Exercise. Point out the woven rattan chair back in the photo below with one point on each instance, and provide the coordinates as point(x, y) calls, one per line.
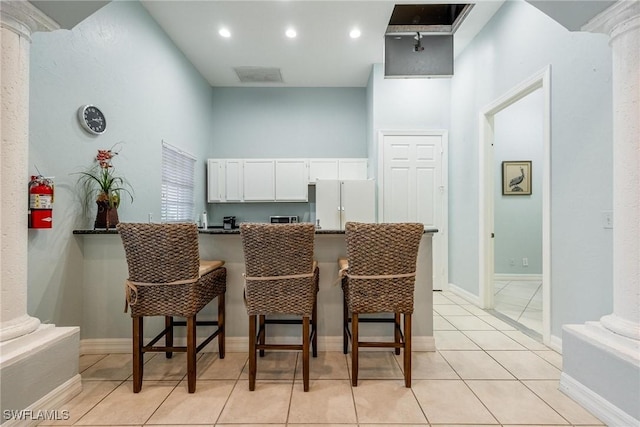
point(279, 250)
point(160, 253)
point(382, 250)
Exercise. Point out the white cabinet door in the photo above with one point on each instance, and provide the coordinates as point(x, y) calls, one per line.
point(352, 169)
point(291, 180)
point(328, 207)
point(358, 199)
point(323, 169)
point(215, 180)
point(259, 180)
point(233, 180)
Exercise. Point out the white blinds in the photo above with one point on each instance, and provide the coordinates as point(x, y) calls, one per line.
point(178, 175)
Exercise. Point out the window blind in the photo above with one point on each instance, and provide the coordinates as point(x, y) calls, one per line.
point(178, 182)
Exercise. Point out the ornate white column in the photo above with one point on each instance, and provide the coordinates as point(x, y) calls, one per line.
point(601, 360)
point(19, 20)
point(622, 23)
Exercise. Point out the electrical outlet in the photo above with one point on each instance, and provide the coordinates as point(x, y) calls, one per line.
point(525, 262)
point(607, 219)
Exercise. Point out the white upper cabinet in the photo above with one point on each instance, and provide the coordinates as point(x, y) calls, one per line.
point(233, 188)
point(323, 169)
point(259, 180)
point(352, 168)
point(291, 180)
point(215, 180)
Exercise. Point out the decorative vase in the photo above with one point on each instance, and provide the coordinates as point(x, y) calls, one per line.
point(106, 217)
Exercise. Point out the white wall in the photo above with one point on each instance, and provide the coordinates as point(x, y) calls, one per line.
point(517, 43)
point(120, 60)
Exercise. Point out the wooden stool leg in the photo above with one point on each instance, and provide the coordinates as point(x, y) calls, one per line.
point(354, 349)
point(396, 331)
point(345, 324)
point(168, 338)
point(407, 350)
point(252, 352)
point(221, 326)
point(263, 332)
point(138, 356)
point(191, 353)
point(314, 327)
point(305, 352)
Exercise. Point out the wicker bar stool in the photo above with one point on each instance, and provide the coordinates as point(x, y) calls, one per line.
point(167, 278)
point(378, 276)
point(281, 278)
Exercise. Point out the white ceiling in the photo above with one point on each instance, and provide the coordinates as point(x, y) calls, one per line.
point(321, 55)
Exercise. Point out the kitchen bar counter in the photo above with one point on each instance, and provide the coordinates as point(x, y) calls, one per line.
point(100, 292)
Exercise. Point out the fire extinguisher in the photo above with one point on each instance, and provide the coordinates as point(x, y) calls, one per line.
point(40, 202)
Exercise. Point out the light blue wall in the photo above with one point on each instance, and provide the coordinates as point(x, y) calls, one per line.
point(518, 132)
point(120, 60)
point(517, 43)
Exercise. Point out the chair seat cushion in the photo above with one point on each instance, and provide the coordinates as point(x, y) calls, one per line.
point(209, 266)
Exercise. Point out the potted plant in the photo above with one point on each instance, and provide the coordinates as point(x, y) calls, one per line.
point(102, 184)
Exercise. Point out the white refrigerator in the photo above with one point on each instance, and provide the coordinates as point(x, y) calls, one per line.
point(339, 201)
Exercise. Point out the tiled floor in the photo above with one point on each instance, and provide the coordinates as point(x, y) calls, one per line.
point(485, 372)
point(520, 301)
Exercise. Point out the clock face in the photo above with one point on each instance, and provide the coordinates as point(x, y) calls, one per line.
point(92, 119)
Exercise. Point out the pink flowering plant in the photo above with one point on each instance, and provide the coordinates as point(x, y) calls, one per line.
point(100, 183)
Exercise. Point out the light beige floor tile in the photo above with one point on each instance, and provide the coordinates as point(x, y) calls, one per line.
point(202, 407)
point(439, 299)
point(428, 365)
point(563, 404)
point(469, 323)
point(450, 401)
point(376, 365)
point(475, 365)
point(440, 324)
point(92, 393)
point(87, 360)
point(453, 340)
point(251, 425)
point(525, 340)
point(493, 340)
point(123, 406)
point(268, 404)
point(211, 367)
point(526, 365)
point(457, 299)
point(497, 323)
point(275, 365)
point(450, 310)
point(467, 425)
point(552, 357)
point(474, 310)
point(327, 366)
point(113, 367)
point(393, 425)
point(512, 403)
point(179, 425)
point(327, 401)
point(386, 402)
point(161, 368)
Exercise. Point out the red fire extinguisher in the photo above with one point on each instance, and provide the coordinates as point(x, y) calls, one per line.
point(40, 202)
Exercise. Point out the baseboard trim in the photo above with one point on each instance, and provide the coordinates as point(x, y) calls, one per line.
point(607, 412)
point(49, 407)
point(555, 343)
point(241, 344)
point(473, 299)
point(518, 277)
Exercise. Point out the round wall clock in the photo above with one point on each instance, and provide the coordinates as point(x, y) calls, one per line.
point(92, 119)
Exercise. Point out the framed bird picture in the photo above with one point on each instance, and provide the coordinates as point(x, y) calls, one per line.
point(516, 178)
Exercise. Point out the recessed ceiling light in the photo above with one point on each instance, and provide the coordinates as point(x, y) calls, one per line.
point(291, 33)
point(355, 33)
point(224, 33)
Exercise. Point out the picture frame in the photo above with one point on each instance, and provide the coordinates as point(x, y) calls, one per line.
point(516, 178)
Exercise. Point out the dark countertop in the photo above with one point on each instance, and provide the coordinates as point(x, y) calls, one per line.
point(220, 230)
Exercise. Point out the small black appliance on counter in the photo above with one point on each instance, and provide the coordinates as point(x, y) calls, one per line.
point(229, 222)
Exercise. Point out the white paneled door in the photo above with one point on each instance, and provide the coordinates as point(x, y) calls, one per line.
point(413, 185)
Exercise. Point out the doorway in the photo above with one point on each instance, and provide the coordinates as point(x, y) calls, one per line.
point(412, 186)
point(488, 173)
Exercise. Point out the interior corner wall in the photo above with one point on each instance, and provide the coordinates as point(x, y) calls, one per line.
point(120, 60)
point(518, 42)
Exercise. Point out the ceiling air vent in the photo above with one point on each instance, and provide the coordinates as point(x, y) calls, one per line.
point(258, 74)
